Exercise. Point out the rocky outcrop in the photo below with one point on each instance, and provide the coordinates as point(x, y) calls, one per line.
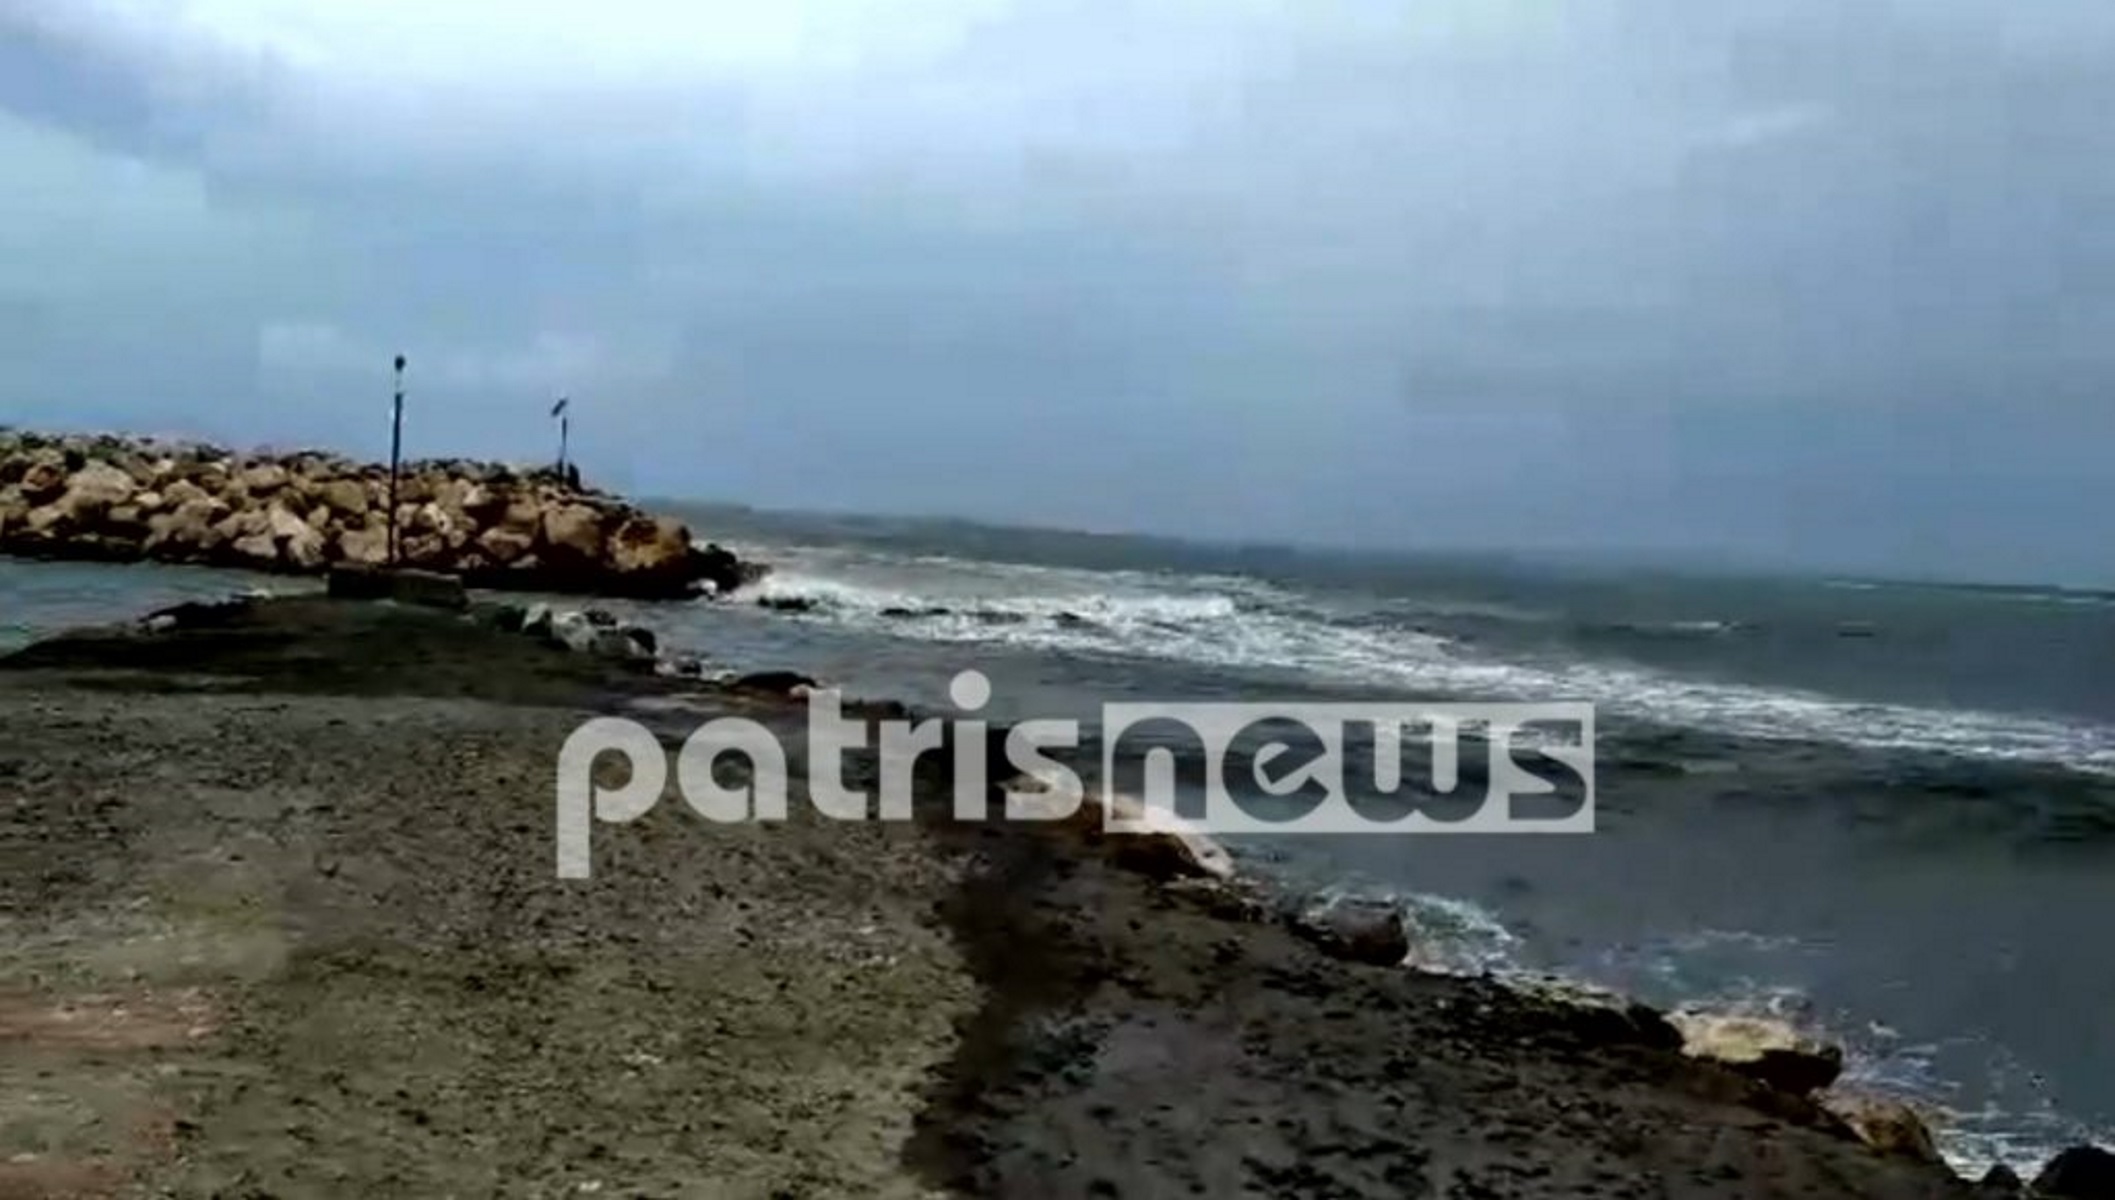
point(2080, 1173)
point(123, 499)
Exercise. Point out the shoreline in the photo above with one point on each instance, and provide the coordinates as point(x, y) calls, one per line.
point(1099, 1007)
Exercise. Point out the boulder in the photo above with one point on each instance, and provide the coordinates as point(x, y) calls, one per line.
point(181, 492)
point(262, 479)
point(44, 480)
point(651, 555)
point(187, 531)
point(2080, 1173)
point(2000, 1182)
point(93, 491)
point(572, 536)
point(1770, 1052)
point(366, 546)
point(1370, 932)
point(1889, 1126)
point(505, 545)
point(346, 497)
point(258, 551)
point(428, 589)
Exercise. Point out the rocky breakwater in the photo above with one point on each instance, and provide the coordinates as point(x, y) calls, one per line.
point(124, 499)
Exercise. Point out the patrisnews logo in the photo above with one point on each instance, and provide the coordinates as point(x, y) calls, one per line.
point(1309, 756)
point(1266, 768)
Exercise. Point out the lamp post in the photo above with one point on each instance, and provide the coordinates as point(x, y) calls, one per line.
point(396, 454)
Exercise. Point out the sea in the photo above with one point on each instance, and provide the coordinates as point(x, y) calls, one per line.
point(1881, 810)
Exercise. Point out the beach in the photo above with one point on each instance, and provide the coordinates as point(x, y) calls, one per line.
point(283, 922)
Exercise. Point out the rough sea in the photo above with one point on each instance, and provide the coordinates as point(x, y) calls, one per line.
point(1882, 810)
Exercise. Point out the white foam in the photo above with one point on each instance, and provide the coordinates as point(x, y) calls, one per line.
point(1249, 625)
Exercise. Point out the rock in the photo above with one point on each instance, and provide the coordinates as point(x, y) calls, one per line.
point(43, 481)
point(259, 551)
point(508, 618)
point(682, 666)
point(572, 536)
point(600, 618)
point(182, 492)
point(644, 637)
point(188, 531)
point(786, 604)
point(2080, 1173)
point(721, 570)
point(776, 683)
point(1369, 932)
point(367, 546)
point(651, 555)
point(2001, 1181)
point(262, 479)
point(427, 589)
point(346, 497)
point(1597, 1014)
point(505, 545)
point(537, 621)
point(117, 498)
point(1889, 1126)
point(1770, 1052)
point(93, 491)
point(578, 633)
point(306, 549)
point(284, 522)
point(195, 614)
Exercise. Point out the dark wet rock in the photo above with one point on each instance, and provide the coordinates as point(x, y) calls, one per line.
point(427, 589)
point(2001, 1183)
point(776, 683)
point(1357, 931)
point(197, 614)
point(600, 618)
point(508, 618)
point(2080, 1173)
point(644, 637)
point(787, 604)
point(899, 612)
point(537, 621)
point(722, 571)
point(682, 666)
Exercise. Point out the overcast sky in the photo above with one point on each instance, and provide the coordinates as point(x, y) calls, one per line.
point(1814, 281)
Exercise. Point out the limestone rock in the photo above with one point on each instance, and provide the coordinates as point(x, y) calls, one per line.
point(1765, 1050)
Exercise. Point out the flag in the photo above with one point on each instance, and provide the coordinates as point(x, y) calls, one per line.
point(558, 409)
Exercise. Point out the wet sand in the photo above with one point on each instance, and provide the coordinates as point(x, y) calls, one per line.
point(280, 919)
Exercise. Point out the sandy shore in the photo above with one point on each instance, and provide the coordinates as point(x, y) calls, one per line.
point(281, 920)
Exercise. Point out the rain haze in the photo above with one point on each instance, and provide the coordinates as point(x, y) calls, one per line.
point(1818, 283)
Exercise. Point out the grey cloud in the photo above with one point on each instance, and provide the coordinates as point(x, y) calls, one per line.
point(1793, 276)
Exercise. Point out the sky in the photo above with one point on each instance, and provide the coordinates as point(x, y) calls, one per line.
point(1824, 283)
